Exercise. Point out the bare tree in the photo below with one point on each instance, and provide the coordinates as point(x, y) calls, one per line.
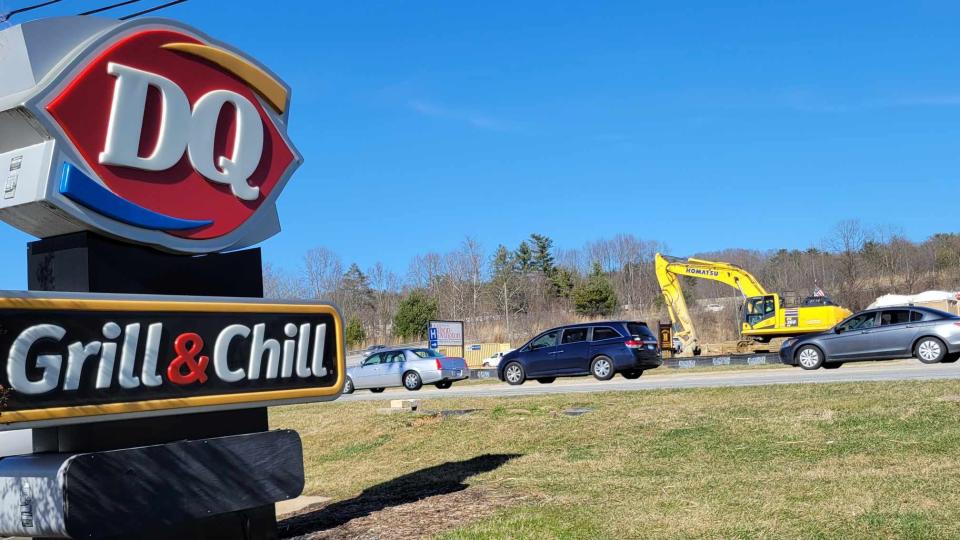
point(279, 284)
point(473, 258)
point(323, 272)
point(426, 272)
point(386, 289)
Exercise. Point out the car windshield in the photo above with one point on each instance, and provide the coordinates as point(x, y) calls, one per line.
point(640, 330)
point(426, 353)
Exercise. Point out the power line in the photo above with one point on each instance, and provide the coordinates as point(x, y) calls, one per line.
point(111, 6)
point(8, 15)
point(151, 10)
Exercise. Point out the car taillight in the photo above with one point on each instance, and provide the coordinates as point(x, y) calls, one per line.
point(634, 344)
point(438, 363)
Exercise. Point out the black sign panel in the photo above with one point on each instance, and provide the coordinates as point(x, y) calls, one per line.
point(93, 355)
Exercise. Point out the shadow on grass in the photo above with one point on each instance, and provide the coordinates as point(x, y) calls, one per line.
point(438, 480)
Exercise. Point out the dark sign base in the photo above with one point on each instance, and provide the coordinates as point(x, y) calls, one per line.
point(86, 262)
point(258, 468)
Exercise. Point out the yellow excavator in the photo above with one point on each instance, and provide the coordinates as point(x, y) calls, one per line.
point(765, 318)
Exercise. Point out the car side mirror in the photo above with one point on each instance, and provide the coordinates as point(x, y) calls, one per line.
point(838, 330)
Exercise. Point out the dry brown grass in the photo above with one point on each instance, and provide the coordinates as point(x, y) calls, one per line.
point(863, 460)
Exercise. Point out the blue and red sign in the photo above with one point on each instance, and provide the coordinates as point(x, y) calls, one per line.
point(167, 138)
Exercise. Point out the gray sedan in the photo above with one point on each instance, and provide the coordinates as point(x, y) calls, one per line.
point(411, 368)
point(928, 334)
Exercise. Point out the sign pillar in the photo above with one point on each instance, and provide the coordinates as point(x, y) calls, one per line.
point(85, 262)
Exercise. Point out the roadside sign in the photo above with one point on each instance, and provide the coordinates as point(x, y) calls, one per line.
point(446, 333)
point(75, 115)
point(666, 337)
point(93, 355)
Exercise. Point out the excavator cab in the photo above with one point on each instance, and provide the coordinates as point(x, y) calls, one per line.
point(758, 309)
point(818, 301)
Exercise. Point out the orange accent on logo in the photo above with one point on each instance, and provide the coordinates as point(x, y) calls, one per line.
point(258, 79)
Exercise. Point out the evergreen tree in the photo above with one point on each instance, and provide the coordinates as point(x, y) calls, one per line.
point(502, 261)
point(357, 295)
point(354, 332)
point(506, 285)
point(562, 283)
point(523, 257)
point(413, 315)
point(542, 255)
point(595, 296)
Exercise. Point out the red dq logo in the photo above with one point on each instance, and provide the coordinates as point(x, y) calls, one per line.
point(175, 140)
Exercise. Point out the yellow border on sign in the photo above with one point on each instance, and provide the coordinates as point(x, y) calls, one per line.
point(78, 304)
point(260, 80)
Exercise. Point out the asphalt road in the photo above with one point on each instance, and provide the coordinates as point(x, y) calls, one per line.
point(905, 370)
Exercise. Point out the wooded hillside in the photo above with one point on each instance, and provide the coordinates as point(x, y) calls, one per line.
point(508, 293)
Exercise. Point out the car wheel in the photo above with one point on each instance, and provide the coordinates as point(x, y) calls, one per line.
point(514, 373)
point(412, 381)
point(832, 365)
point(930, 350)
point(348, 386)
point(443, 385)
point(376, 390)
point(809, 357)
point(632, 374)
point(950, 358)
point(546, 380)
point(602, 368)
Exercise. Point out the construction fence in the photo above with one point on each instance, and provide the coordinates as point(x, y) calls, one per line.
point(475, 353)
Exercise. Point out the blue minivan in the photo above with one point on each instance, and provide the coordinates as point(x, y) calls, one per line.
point(602, 349)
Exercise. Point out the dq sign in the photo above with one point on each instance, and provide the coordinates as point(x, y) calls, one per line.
point(63, 357)
point(151, 132)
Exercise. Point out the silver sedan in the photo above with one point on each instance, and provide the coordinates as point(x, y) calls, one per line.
point(928, 334)
point(410, 368)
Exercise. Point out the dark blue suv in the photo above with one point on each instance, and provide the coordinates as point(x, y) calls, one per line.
point(599, 348)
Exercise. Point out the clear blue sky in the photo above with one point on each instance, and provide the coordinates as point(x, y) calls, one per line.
point(700, 124)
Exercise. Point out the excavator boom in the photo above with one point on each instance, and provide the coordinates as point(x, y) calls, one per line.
point(727, 273)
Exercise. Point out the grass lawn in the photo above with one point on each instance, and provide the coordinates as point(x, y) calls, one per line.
point(862, 460)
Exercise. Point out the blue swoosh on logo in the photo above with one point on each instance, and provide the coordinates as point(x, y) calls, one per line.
point(81, 189)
